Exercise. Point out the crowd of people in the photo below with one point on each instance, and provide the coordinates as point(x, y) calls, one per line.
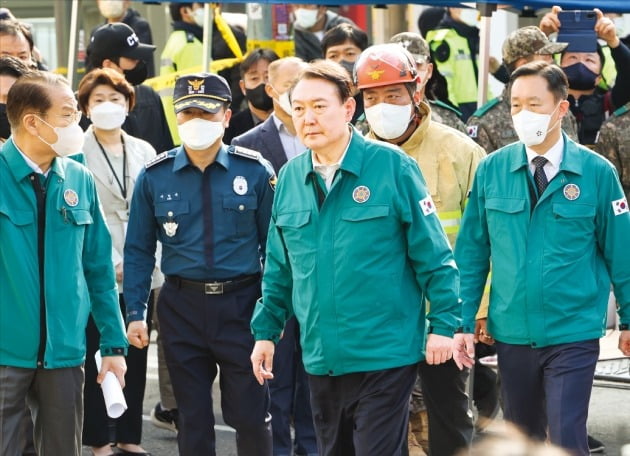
point(339, 235)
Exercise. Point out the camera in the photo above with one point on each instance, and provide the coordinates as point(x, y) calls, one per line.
point(577, 27)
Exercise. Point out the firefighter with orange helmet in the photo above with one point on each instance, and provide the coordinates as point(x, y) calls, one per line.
point(387, 77)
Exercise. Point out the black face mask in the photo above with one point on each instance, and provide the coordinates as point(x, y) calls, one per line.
point(580, 77)
point(138, 75)
point(259, 98)
point(5, 128)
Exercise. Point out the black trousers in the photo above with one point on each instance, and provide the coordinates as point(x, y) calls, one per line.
point(98, 428)
point(199, 333)
point(364, 413)
point(450, 418)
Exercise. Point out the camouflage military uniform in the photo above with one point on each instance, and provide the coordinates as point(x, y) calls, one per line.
point(446, 115)
point(491, 125)
point(614, 144)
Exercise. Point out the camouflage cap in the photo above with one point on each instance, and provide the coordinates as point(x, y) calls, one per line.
point(527, 41)
point(415, 45)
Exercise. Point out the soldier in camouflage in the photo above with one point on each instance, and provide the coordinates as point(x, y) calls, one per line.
point(614, 144)
point(491, 125)
point(419, 49)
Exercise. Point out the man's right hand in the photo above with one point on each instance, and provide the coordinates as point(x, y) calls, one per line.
point(137, 334)
point(262, 360)
point(550, 23)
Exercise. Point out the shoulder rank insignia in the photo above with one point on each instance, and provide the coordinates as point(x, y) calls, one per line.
point(247, 153)
point(160, 158)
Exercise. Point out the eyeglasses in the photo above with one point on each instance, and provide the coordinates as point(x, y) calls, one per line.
point(70, 117)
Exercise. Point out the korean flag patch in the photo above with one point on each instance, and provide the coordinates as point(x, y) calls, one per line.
point(427, 205)
point(620, 206)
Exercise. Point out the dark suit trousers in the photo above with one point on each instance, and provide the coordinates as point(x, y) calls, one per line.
point(549, 388)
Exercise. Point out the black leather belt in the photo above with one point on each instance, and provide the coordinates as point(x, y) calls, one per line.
point(215, 288)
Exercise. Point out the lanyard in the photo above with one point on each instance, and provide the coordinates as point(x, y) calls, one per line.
point(123, 185)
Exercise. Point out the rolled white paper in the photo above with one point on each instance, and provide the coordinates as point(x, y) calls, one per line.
point(112, 391)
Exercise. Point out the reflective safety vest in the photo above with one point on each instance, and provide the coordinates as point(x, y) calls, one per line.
point(455, 63)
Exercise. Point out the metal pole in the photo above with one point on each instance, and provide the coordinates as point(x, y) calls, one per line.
point(484, 52)
point(208, 20)
point(72, 42)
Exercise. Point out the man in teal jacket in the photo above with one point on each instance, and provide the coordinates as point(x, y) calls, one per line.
point(55, 269)
point(354, 248)
point(553, 217)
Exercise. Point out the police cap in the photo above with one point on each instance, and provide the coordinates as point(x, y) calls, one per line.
point(205, 91)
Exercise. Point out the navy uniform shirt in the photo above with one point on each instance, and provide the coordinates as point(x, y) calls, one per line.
point(212, 224)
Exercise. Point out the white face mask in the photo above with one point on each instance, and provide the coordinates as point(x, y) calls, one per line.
point(531, 127)
point(198, 16)
point(108, 115)
point(388, 121)
point(469, 16)
point(199, 134)
point(111, 9)
point(305, 18)
point(69, 139)
point(284, 103)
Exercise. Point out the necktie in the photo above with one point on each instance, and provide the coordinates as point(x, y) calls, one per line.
point(539, 174)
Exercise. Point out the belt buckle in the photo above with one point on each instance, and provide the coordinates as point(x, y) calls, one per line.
point(213, 288)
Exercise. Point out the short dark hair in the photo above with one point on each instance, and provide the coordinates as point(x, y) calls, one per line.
point(104, 76)
point(174, 8)
point(11, 66)
point(343, 32)
point(557, 82)
point(328, 71)
point(255, 56)
point(11, 27)
point(30, 94)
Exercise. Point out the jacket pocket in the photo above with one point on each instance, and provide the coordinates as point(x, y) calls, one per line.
point(79, 216)
point(571, 230)
point(505, 216)
point(241, 210)
point(506, 205)
point(169, 215)
point(572, 210)
point(300, 240)
point(18, 217)
point(361, 213)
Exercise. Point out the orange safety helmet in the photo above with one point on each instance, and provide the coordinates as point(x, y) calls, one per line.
point(384, 64)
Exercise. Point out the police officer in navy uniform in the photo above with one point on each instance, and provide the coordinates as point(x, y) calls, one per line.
point(209, 205)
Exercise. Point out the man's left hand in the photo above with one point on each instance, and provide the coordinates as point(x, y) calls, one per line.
point(115, 365)
point(624, 342)
point(464, 350)
point(439, 349)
